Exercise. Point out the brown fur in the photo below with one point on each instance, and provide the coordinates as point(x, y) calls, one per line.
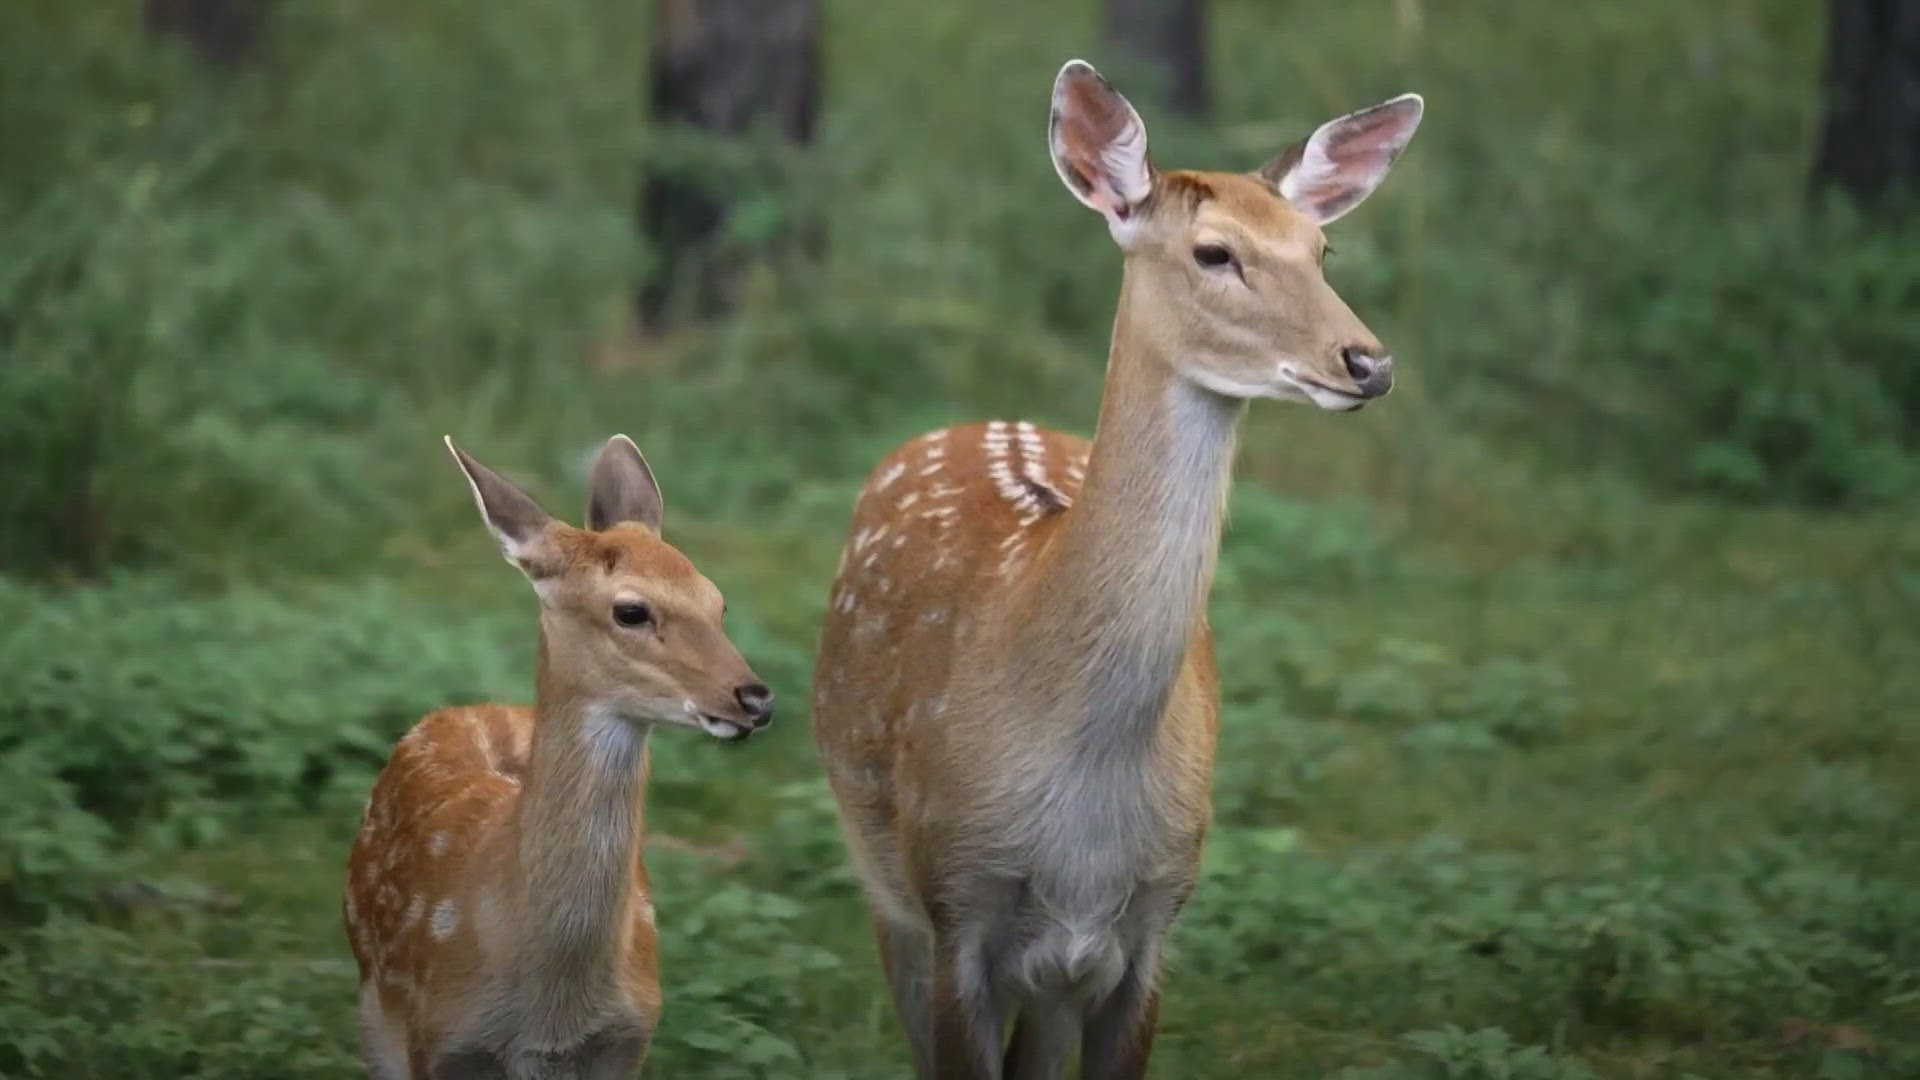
point(496, 901)
point(1015, 694)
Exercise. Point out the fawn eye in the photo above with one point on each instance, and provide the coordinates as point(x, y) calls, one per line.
point(1212, 255)
point(631, 614)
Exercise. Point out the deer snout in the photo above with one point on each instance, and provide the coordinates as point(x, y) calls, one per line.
point(1371, 373)
point(757, 701)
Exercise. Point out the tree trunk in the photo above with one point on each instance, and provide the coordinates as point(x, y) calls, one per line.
point(1870, 137)
point(722, 68)
point(223, 32)
point(1167, 39)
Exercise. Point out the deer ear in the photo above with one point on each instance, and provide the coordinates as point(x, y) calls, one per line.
point(623, 488)
point(524, 531)
point(1331, 171)
point(1099, 145)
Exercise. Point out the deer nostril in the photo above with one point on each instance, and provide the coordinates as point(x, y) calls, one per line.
point(1359, 364)
point(756, 699)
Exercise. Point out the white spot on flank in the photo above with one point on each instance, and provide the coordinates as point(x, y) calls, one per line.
point(908, 499)
point(1011, 551)
point(481, 736)
point(438, 845)
point(892, 473)
point(446, 918)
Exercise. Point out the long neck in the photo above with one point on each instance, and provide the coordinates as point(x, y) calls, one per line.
point(1117, 597)
point(579, 834)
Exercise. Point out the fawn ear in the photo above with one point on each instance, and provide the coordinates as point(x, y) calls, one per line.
point(1099, 146)
point(524, 531)
point(1329, 172)
point(623, 488)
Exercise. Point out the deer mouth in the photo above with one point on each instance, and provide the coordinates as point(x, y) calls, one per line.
point(724, 729)
point(1327, 397)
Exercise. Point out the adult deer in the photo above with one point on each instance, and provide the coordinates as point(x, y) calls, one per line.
point(496, 900)
point(1015, 694)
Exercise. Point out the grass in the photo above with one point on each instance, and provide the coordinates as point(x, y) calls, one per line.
point(1653, 816)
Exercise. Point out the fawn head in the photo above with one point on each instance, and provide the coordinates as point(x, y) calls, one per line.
point(1224, 269)
point(627, 623)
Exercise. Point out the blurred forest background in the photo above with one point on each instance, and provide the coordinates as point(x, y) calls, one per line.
point(1571, 693)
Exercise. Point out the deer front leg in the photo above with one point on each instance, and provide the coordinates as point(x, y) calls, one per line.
point(1044, 1035)
point(1118, 1037)
point(967, 1022)
point(906, 954)
point(616, 1056)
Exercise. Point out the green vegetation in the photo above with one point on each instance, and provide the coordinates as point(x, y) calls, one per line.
point(1570, 693)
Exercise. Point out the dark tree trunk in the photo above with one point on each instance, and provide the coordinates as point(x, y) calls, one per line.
point(1870, 137)
point(1167, 39)
point(722, 67)
point(223, 32)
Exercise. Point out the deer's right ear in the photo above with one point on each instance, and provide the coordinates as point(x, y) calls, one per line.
point(524, 531)
point(1099, 145)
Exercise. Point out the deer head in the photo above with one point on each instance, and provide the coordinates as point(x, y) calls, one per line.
point(628, 627)
point(1223, 270)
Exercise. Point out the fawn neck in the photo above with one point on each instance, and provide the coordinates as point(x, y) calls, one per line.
point(578, 838)
point(1120, 592)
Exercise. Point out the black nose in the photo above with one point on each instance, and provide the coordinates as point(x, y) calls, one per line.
point(1373, 375)
point(757, 700)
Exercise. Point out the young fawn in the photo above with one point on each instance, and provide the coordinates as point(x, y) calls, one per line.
point(1015, 694)
point(495, 900)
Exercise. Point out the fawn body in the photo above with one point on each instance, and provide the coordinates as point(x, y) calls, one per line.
point(496, 900)
point(1015, 694)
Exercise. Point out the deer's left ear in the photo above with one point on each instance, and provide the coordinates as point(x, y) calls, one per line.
point(1099, 145)
point(1331, 171)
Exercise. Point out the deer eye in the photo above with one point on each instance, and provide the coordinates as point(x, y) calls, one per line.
point(632, 614)
point(1212, 255)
